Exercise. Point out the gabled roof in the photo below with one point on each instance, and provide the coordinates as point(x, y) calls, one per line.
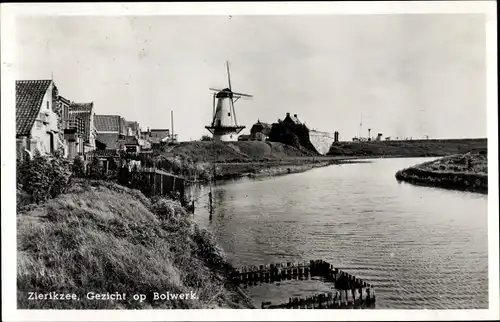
point(29, 98)
point(265, 128)
point(107, 123)
point(294, 119)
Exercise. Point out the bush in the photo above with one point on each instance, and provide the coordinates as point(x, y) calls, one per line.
point(43, 177)
point(78, 168)
point(95, 169)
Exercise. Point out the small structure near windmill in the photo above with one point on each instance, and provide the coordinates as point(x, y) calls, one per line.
point(224, 126)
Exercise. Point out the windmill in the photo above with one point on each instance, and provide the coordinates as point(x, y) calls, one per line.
point(224, 126)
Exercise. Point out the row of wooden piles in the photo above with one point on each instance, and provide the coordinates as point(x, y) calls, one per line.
point(344, 299)
point(350, 290)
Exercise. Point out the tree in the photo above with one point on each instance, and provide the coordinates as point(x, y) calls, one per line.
point(206, 138)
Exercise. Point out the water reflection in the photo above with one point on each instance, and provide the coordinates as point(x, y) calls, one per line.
point(421, 247)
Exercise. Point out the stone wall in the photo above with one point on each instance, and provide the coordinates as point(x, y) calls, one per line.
point(322, 141)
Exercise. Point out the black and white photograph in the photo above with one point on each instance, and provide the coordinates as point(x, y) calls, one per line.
point(233, 161)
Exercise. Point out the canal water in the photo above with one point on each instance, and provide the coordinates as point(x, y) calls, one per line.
point(421, 248)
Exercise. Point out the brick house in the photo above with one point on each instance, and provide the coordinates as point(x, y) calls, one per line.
point(111, 131)
point(38, 118)
point(85, 111)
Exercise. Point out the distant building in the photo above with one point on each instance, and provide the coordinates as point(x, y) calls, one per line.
point(379, 137)
point(158, 137)
point(85, 111)
point(133, 129)
point(110, 130)
point(132, 144)
point(260, 131)
point(74, 130)
point(292, 120)
point(38, 118)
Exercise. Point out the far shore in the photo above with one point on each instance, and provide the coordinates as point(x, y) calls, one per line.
point(466, 172)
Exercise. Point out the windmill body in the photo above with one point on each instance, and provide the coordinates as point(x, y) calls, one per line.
point(224, 126)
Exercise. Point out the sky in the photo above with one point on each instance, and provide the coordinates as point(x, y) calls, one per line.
point(412, 75)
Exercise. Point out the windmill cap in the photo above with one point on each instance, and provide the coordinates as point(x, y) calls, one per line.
point(226, 92)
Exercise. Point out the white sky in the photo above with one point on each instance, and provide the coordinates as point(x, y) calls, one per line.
point(410, 75)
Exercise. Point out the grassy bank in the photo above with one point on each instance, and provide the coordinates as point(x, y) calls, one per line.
point(462, 172)
point(413, 148)
point(101, 237)
point(195, 160)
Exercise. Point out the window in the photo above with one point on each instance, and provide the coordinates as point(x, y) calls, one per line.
point(228, 114)
point(48, 105)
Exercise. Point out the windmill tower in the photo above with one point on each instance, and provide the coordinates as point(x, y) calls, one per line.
point(224, 126)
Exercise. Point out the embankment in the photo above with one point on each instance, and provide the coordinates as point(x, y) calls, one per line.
point(104, 238)
point(408, 148)
point(239, 151)
point(468, 172)
point(195, 160)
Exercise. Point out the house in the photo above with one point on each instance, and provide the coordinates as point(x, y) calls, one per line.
point(73, 129)
point(260, 131)
point(110, 130)
point(158, 137)
point(85, 111)
point(133, 129)
point(292, 120)
point(132, 144)
point(38, 118)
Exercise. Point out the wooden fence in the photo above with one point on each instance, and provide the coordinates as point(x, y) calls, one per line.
point(350, 291)
point(163, 183)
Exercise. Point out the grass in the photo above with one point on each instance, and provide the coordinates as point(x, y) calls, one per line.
point(101, 237)
point(239, 151)
point(462, 172)
point(414, 148)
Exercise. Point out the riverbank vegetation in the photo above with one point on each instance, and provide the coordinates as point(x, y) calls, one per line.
point(462, 172)
point(88, 235)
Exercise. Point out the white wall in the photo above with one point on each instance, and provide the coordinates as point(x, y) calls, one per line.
point(322, 141)
point(39, 135)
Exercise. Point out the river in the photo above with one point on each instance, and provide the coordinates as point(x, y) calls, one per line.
point(420, 247)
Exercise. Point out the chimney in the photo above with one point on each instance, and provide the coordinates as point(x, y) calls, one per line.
point(295, 115)
point(288, 114)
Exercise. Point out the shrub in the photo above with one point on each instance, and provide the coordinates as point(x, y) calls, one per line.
point(78, 168)
point(95, 169)
point(43, 177)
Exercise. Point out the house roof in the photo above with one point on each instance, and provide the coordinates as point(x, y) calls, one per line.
point(29, 98)
point(81, 107)
point(294, 118)
point(107, 123)
point(265, 128)
point(64, 100)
